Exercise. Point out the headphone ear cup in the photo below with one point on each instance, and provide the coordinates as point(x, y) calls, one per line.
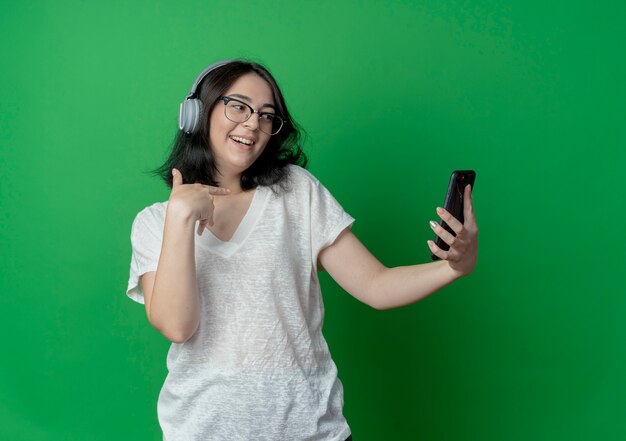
point(189, 115)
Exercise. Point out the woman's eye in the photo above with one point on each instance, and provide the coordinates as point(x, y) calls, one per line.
point(267, 116)
point(238, 107)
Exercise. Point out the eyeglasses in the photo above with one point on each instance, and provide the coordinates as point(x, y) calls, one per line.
point(238, 111)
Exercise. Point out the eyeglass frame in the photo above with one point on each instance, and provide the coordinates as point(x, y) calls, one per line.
point(227, 99)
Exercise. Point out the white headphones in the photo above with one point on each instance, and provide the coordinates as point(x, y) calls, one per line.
point(191, 109)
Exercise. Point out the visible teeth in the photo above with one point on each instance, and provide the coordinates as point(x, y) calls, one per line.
point(242, 140)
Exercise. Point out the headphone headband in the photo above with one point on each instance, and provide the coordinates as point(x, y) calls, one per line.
point(204, 73)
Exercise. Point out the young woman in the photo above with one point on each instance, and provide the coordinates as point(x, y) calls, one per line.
point(227, 269)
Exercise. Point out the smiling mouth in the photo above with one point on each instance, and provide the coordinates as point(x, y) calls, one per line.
point(242, 141)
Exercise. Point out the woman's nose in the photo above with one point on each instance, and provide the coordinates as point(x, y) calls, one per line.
point(252, 122)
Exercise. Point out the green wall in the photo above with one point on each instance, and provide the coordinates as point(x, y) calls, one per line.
point(394, 96)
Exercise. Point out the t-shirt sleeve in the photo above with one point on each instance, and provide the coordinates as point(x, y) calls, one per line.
point(146, 237)
point(328, 219)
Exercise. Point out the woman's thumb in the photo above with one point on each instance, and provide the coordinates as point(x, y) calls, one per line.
point(177, 178)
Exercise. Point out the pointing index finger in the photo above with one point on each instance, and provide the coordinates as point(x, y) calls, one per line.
point(217, 191)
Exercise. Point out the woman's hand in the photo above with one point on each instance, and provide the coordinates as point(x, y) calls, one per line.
point(463, 251)
point(194, 200)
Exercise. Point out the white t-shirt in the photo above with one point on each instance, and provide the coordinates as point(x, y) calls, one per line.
point(258, 367)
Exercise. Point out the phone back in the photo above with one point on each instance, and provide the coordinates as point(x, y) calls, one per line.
point(453, 202)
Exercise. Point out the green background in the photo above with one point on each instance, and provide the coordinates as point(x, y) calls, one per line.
point(394, 96)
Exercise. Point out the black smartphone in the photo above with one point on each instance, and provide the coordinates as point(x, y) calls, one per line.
point(454, 202)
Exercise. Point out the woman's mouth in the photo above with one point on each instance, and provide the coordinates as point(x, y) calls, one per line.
point(243, 141)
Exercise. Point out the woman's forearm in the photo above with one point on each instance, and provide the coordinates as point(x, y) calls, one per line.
point(403, 285)
point(361, 274)
point(175, 302)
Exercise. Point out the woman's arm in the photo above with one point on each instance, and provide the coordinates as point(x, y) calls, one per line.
point(357, 271)
point(171, 293)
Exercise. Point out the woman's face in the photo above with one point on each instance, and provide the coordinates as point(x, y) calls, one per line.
point(235, 156)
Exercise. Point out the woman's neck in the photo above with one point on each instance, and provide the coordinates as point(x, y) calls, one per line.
point(232, 182)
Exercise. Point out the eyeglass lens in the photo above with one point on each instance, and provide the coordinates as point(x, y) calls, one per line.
point(239, 112)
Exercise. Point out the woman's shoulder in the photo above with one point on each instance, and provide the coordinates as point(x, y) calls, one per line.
point(301, 176)
point(152, 215)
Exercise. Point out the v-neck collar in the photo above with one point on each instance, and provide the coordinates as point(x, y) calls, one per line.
point(227, 248)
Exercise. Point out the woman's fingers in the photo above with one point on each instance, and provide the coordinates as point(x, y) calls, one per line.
point(442, 233)
point(198, 198)
point(202, 224)
point(217, 191)
point(464, 246)
point(201, 227)
point(209, 218)
point(468, 206)
point(177, 180)
point(452, 222)
point(443, 255)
